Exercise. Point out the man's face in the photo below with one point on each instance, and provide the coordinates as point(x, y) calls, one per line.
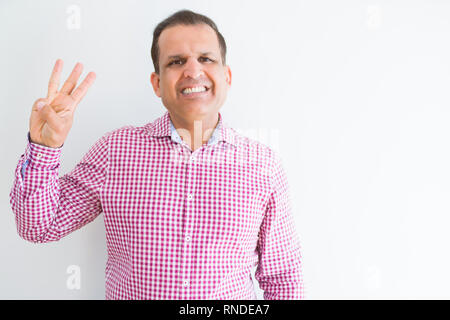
point(192, 81)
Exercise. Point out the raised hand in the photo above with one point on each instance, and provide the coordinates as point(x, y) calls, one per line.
point(52, 117)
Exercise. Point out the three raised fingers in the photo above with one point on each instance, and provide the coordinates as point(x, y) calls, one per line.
point(70, 84)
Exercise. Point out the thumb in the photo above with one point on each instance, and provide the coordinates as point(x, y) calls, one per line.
point(50, 116)
point(39, 103)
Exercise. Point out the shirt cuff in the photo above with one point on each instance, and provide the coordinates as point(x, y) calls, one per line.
point(42, 157)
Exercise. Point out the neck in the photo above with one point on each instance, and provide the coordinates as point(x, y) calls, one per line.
point(196, 131)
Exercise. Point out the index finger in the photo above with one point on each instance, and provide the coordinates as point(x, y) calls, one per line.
point(53, 84)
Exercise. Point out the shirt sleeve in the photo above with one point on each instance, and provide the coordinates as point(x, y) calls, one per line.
point(27, 161)
point(48, 207)
point(279, 270)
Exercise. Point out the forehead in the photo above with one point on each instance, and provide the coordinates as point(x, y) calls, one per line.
point(182, 39)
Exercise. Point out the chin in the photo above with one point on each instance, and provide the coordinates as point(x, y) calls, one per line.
point(196, 109)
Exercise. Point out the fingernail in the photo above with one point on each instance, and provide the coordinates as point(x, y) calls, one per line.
point(40, 104)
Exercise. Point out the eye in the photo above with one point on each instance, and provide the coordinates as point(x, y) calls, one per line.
point(178, 61)
point(206, 59)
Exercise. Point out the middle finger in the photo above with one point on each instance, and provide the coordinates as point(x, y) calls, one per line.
point(72, 80)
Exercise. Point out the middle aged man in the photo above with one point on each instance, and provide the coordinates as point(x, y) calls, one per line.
point(190, 206)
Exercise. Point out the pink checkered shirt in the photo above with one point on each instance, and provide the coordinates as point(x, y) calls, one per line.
point(179, 224)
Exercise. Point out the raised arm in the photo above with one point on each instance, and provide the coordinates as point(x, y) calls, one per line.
point(46, 207)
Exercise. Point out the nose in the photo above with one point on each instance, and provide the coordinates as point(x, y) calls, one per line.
point(193, 68)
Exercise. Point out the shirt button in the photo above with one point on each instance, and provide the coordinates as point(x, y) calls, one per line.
point(189, 197)
point(185, 283)
point(40, 155)
point(188, 238)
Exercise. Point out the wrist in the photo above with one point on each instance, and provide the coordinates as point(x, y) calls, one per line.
point(30, 140)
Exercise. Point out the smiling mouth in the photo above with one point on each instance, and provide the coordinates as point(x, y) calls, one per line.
point(194, 90)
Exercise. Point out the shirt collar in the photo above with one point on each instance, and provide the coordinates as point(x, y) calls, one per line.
point(163, 127)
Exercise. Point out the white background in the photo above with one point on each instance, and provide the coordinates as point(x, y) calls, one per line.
point(354, 95)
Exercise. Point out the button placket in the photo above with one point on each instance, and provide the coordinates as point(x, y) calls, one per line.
point(189, 211)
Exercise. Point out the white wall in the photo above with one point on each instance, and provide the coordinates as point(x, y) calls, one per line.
point(354, 95)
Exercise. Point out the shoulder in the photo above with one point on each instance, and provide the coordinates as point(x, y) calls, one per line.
point(258, 152)
point(127, 131)
point(151, 130)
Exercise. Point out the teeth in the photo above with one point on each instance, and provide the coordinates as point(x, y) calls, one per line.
point(196, 89)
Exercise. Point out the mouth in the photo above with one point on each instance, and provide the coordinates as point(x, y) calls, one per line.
point(194, 92)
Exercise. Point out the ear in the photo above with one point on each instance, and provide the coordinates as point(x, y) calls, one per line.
point(154, 79)
point(228, 75)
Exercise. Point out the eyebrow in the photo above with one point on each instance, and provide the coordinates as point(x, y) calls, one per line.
point(178, 56)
